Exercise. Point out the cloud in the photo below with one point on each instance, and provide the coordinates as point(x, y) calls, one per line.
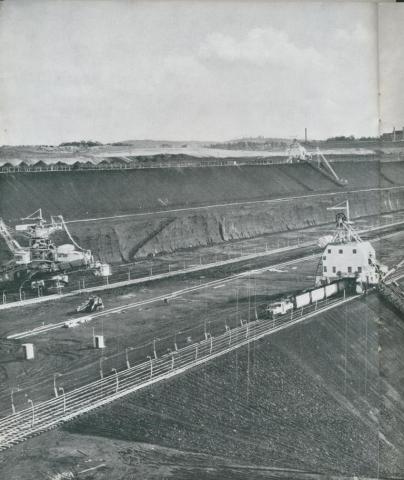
point(261, 46)
point(358, 35)
point(155, 69)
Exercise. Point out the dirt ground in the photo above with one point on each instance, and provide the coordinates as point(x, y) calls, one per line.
point(69, 353)
point(319, 380)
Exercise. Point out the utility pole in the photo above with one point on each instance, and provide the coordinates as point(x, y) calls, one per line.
point(127, 356)
point(64, 398)
point(154, 347)
point(175, 341)
point(151, 365)
point(33, 411)
point(12, 398)
point(236, 304)
point(54, 383)
point(101, 371)
point(116, 378)
point(172, 358)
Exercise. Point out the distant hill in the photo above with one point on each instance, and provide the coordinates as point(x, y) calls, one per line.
point(146, 143)
point(253, 143)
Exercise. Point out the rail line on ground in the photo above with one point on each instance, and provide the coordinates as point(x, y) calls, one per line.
point(62, 408)
point(158, 276)
point(84, 319)
point(177, 293)
point(191, 269)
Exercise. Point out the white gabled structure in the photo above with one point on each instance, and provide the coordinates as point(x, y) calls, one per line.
point(348, 256)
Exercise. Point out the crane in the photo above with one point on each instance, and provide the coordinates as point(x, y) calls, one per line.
point(296, 151)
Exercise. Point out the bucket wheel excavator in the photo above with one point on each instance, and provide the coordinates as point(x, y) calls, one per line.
point(40, 261)
point(298, 153)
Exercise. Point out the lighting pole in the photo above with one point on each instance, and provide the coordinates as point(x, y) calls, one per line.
point(175, 340)
point(236, 304)
point(101, 372)
point(154, 347)
point(33, 411)
point(172, 360)
point(12, 398)
point(171, 352)
point(116, 378)
point(127, 356)
point(151, 365)
point(64, 398)
point(54, 383)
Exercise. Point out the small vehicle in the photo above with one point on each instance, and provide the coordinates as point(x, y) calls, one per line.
point(279, 308)
point(51, 284)
point(93, 304)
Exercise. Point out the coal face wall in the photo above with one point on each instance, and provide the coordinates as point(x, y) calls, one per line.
point(84, 194)
point(136, 237)
point(81, 195)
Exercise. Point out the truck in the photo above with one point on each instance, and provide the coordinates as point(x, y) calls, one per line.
point(280, 308)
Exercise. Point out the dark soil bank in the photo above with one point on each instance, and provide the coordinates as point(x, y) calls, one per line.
point(308, 398)
point(136, 237)
point(79, 195)
point(101, 193)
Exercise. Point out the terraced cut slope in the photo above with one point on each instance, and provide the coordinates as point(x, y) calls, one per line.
point(181, 195)
point(103, 193)
point(126, 239)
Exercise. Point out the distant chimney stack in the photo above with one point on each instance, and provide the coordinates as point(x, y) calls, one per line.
point(305, 135)
point(394, 134)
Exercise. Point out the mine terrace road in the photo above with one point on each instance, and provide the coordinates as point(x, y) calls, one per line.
point(52, 326)
point(197, 267)
point(235, 204)
point(177, 293)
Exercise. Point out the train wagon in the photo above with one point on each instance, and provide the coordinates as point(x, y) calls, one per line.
point(317, 294)
point(331, 289)
point(302, 300)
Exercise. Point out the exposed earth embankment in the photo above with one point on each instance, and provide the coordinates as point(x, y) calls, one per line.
point(180, 196)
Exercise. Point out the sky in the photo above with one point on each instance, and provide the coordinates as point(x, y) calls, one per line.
point(177, 70)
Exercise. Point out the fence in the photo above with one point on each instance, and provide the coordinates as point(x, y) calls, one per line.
point(68, 405)
point(139, 166)
point(128, 274)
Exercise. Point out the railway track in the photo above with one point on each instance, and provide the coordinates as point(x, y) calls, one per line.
point(87, 318)
point(49, 414)
point(305, 246)
point(122, 273)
